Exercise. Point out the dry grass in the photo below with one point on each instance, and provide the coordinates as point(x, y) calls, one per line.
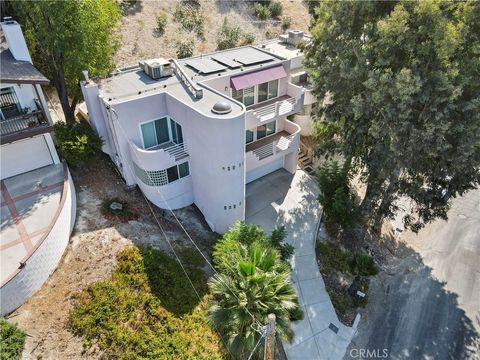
point(142, 41)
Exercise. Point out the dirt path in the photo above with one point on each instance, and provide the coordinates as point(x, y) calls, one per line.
point(91, 256)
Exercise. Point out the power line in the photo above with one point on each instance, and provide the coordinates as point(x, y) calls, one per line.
point(260, 326)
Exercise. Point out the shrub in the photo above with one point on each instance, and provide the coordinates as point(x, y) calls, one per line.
point(333, 258)
point(275, 8)
point(78, 143)
point(363, 265)
point(228, 36)
point(190, 17)
point(161, 22)
point(286, 22)
point(185, 48)
point(247, 38)
point(339, 301)
point(336, 197)
point(261, 11)
point(12, 340)
point(147, 309)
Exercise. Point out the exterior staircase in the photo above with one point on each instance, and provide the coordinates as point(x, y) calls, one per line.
point(305, 159)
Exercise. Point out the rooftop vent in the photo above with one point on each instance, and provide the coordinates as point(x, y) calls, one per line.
point(157, 68)
point(221, 107)
point(294, 37)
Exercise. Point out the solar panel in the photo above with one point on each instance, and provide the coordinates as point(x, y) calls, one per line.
point(226, 60)
point(250, 56)
point(205, 65)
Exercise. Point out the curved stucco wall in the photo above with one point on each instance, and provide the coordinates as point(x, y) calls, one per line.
point(43, 261)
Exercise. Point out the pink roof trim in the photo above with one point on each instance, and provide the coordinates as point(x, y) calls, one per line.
point(257, 77)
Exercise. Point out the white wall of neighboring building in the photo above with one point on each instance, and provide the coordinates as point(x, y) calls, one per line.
point(27, 154)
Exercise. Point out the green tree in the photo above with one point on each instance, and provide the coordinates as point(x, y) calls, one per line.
point(399, 84)
point(253, 282)
point(66, 37)
point(185, 48)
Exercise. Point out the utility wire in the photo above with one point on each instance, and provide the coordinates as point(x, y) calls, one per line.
point(263, 336)
point(260, 326)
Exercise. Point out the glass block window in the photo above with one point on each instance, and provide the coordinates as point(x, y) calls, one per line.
point(162, 177)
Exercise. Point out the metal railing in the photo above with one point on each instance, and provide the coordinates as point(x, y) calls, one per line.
point(21, 123)
point(276, 109)
point(273, 147)
point(191, 86)
point(177, 151)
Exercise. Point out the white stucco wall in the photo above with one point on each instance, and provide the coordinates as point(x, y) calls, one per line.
point(43, 261)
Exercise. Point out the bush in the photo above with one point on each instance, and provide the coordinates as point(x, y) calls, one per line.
point(363, 265)
point(275, 8)
point(247, 38)
point(336, 197)
point(339, 301)
point(190, 17)
point(333, 258)
point(147, 309)
point(185, 48)
point(12, 340)
point(161, 22)
point(286, 23)
point(261, 11)
point(228, 36)
point(78, 143)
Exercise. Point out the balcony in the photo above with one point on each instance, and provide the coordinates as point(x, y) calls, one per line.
point(282, 106)
point(271, 147)
point(18, 127)
point(159, 157)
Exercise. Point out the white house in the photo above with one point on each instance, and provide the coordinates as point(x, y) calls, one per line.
point(38, 196)
point(196, 130)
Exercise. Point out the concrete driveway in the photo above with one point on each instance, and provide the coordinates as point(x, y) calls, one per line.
point(428, 305)
point(281, 198)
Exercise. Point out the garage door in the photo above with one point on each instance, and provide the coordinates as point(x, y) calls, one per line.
point(25, 155)
point(264, 170)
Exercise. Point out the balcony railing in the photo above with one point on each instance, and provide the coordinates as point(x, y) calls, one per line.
point(282, 106)
point(17, 127)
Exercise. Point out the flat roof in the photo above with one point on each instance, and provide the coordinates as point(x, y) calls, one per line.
point(132, 83)
point(30, 203)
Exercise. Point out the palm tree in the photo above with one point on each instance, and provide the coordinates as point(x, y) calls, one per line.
point(252, 282)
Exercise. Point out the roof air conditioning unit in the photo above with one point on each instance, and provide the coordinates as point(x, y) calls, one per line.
point(295, 36)
point(157, 68)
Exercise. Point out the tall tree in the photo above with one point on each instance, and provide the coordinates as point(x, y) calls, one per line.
point(400, 89)
point(66, 37)
point(252, 282)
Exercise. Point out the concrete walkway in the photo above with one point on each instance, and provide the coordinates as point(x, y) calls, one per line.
point(281, 198)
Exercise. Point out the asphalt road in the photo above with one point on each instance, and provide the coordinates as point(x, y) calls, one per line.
point(428, 305)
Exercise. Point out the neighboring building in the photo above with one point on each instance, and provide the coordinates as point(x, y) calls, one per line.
point(197, 130)
point(38, 196)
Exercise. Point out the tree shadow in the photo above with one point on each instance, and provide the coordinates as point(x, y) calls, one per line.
point(412, 314)
point(131, 7)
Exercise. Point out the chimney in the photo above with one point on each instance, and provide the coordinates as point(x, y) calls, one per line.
point(15, 40)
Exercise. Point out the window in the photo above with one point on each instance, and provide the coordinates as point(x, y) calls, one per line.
point(9, 102)
point(155, 133)
point(263, 92)
point(261, 131)
point(237, 95)
point(172, 173)
point(249, 96)
point(267, 91)
point(184, 169)
point(177, 134)
point(272, 89)
point(267, 129)
point(271, 127)
point(248, 136)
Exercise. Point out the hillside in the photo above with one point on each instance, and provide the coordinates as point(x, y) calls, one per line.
point(141, 40)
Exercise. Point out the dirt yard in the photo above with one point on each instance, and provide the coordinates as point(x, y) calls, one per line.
point(142, 41)
point(91, 255)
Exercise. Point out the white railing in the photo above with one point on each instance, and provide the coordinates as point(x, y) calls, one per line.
point(177, 151)
point(278, 108)
point(276, 146)
point(191, 86)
